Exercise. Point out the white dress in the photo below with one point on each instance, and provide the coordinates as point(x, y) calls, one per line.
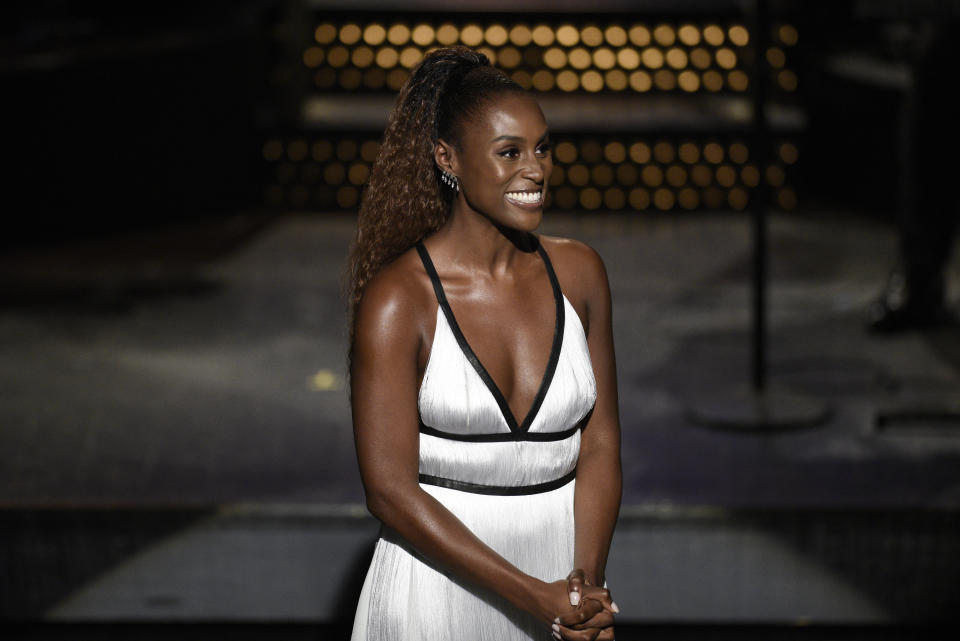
point(511, 483)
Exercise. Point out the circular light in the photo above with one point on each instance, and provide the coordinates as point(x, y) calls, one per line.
point(543, 80)
point(713, 153)
point(521, 35)
point(338, 56)
point(590, 198)
point(423, 34)
point(712, 80)
point(676, 175)
point(579, 58)
point(566, 198)
point(713, 35)
point(737, 80)
point(604, 58)
point(567, 35)
point(639, 35)
point(738, 35)
point(689, 35)
point(347, 196)
point(556, 176)
point(374, 78)
point(615, 152)
point(568, 80)
point(566, 152)
point(663, 199)
point(616, 36)
point(627, 174)
point(700, 58)
point(614, 198)
point(664, 35)
point(398, 34)
point(311, 172)
point(387, 58)
point(652, 58)
point(578, 175)
point(676, 58)
point(489, 53)
point(602, 175)
point(640, 153)
point(471, 35)
point(410, 56)
point(496, 35)
point(591, 36)
point(640, 81)
point(509, 57)
point(775, 57)
point(321, 151)
point(664, 152)
point(374, 34)
point(591, 151)
point(325, 33)
point(688, 152)
point(362, 57)
point(726, 176)
point(665, 80)
point(350, 34)
point(701, 175)
point(334, 174)
point(689, 81)
point(272, 150)
point(522, 78)
point(358, 174)
point(713, 197)
point(652, 175)
point(543, 35)
point(447, 34)
point(775, 175)
point(628, 58)
point(313, 57)
point(688, 198)
point(750, 175)
point(615, 79)
point(738, 153)
point(787, 34)
point(347, 149)
point(787, 80)
point(726, 58)
point(787, 199)
point(639, 198)
point(396, 78)
point(555, 58)
point(369, 150)
point(738, 198)
point(788, 153)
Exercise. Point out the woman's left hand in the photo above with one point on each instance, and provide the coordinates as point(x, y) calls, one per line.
point(573, 626)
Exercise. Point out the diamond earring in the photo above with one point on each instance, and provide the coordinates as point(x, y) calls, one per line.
point(450, 180)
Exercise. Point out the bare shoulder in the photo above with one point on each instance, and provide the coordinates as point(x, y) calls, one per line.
point(579, 266)
point(394, 303)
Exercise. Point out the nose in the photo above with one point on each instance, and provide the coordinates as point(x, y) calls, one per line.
point(536, 169)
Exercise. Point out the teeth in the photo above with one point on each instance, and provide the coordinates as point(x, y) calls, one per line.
point(524, 197)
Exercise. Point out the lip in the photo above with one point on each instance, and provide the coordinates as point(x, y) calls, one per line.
point(528, 206)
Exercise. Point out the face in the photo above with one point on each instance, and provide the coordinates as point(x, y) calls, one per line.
point(503, 162)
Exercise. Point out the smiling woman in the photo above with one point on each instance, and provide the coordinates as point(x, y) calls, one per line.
point(483, 380)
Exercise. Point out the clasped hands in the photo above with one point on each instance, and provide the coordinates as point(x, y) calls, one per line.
point(589, 616)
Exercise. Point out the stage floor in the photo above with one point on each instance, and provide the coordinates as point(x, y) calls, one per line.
point(204, 365)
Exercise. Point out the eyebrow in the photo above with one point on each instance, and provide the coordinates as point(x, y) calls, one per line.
point(546, 134)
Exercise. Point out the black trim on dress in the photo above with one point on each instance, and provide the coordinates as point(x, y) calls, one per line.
point(499, 490)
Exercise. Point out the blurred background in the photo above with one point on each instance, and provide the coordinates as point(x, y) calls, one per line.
point(771, 183)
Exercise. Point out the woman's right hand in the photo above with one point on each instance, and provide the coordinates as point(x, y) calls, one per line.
point(592, 612)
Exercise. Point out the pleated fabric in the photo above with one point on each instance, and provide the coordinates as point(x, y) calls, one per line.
point(510, 483)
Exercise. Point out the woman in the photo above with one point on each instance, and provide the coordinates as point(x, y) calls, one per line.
point(482, 375)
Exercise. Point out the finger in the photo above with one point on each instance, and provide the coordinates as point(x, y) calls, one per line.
point(606, 634)
point(602, 619)
point(569, 634)
point(602, 595)
point(575, 583)
point(588, 608)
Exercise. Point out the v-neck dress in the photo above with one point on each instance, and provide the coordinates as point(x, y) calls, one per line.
point(510, 481)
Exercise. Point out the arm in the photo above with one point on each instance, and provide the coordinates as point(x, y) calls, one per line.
point(385, 421)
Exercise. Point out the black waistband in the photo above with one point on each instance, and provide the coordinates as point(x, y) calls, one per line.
point(500, 437)
point(499, 490)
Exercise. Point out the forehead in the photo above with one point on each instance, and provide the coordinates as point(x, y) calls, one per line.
point(515, 114)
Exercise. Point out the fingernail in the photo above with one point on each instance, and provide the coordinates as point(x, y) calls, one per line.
point(556, 627)
point(556, 635)
point(557, 620)
point(574, 598)
point(613, 606)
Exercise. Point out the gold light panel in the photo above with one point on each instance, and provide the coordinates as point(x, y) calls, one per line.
point(376, 54)
point(616, 173)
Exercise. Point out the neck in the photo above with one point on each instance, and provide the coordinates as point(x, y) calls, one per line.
point(481, 244)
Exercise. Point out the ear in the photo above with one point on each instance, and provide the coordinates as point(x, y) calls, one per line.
point(446, 156)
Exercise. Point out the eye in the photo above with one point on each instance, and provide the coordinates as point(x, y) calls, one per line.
point(512, 152)
point(544, 148)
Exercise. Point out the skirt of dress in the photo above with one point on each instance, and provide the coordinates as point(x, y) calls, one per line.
point(405, 598)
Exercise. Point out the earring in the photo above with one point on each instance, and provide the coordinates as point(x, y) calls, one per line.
point(450, 180)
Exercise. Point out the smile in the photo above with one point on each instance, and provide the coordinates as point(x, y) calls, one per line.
point(525, 198)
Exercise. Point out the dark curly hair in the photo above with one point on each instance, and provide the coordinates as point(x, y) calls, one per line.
point(404, 200)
